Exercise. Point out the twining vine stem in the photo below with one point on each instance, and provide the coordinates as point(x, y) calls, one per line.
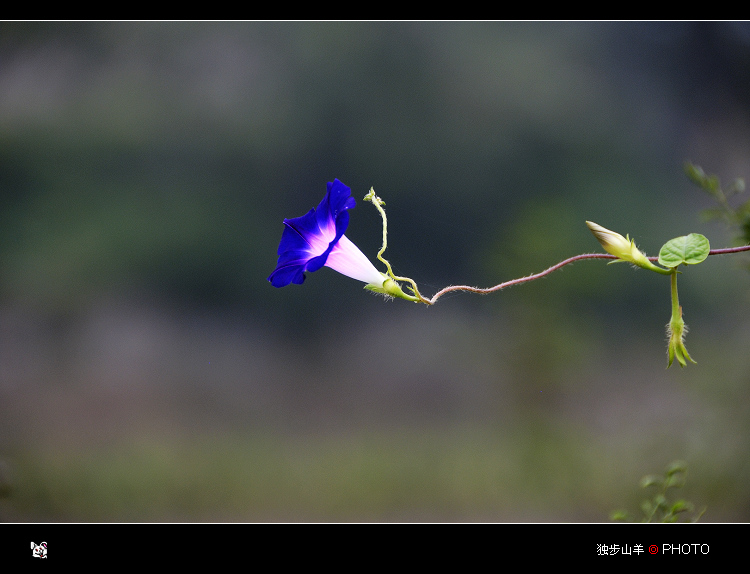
point(520, 280)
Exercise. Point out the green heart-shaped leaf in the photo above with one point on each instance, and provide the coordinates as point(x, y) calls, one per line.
point(688, 249)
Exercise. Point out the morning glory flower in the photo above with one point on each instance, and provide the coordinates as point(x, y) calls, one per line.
point(317, 239)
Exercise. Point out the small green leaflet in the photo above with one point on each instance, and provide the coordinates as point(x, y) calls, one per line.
point(688, 249)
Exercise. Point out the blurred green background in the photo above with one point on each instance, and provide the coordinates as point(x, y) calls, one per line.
point(149, 372)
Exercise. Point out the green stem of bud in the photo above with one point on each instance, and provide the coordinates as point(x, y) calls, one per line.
point(675, 298)
point(646, 264)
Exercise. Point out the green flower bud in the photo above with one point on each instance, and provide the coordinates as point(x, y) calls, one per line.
point(622, 247)
point(676, 330)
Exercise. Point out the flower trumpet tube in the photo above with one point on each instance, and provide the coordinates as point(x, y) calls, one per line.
point(623, 248)
point(317, 239)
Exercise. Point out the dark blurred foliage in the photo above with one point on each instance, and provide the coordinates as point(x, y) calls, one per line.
point(164, 155)
point(149, 165)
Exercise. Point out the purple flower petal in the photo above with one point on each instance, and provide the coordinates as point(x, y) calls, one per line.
point(317, 239)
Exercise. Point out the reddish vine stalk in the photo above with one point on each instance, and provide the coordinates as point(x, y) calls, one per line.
point(520, 280)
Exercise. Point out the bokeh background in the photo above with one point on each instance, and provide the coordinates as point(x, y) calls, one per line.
point(149, 372)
